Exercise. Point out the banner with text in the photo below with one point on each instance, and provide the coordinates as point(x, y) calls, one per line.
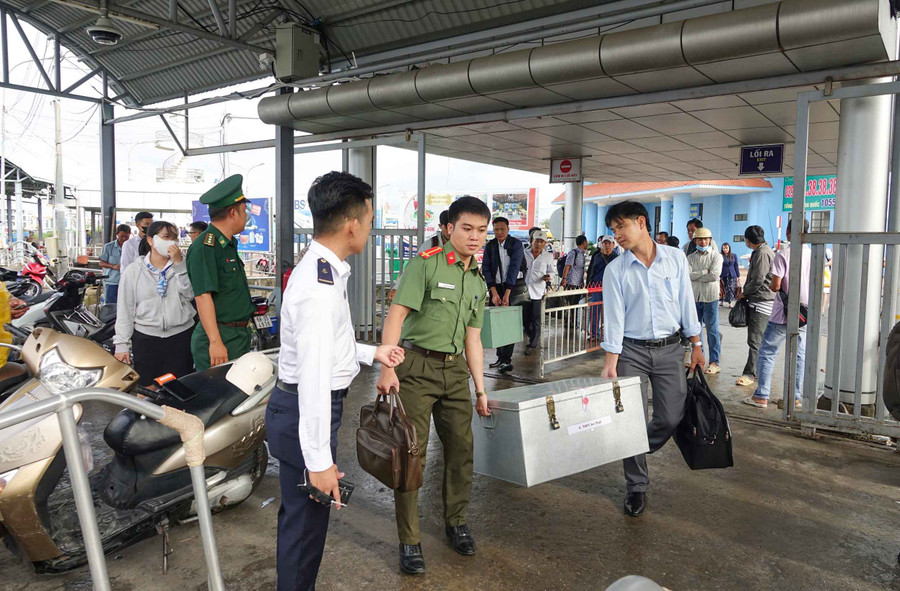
point(255, 237)
point(821, 193)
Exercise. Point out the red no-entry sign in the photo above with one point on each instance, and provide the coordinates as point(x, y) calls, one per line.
point(565, 170)
point(565, 166)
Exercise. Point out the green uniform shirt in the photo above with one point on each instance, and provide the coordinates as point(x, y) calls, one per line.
point(214, 267)
point(444, 299)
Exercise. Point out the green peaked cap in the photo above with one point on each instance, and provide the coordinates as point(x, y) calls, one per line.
point(227, 192)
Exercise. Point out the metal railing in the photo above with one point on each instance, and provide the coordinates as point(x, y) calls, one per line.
point(62, 405)
point(569, 326)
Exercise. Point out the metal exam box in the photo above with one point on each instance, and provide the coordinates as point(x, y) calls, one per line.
point(547, 431)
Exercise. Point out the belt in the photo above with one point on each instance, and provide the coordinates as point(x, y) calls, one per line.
point(428, 353)
point(292, 389)
point(654, 343)
point(238, 324)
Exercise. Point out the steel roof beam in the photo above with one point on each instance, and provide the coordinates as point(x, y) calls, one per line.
point(84, 79)
point(36, 5)
point(217, 14)
point(31, 52)
point(83, 22)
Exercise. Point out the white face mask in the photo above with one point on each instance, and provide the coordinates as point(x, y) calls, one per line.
point(161, 246)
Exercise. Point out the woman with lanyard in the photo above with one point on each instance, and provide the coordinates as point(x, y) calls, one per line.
point(155, 318)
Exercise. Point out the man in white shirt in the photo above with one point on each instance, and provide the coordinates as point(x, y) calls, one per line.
point(130, 253)
point(318, 360)
point(540, 265)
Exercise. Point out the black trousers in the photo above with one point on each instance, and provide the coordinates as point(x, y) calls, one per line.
point(505, 352)
point(532, 320)
point(157, 356)
point(302, 522)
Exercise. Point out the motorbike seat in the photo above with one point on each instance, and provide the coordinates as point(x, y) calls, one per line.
point(107, 313)
point(13, 374)
point(129, 434)
point(43, 296)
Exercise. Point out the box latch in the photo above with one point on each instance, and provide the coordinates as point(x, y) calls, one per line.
point(617, 394)
point(551, 412)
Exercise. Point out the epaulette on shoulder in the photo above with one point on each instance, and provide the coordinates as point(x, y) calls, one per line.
point(209, 240)
point(431, 252)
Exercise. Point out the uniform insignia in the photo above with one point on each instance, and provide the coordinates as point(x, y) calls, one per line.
point(222, 241)
point(432, 251)
point(209, 240)
point(325, 272)
point(451, 257)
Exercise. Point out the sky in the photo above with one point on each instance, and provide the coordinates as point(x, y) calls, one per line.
point(144, 148)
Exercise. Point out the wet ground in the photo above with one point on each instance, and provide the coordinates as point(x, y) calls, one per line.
point(793, 514)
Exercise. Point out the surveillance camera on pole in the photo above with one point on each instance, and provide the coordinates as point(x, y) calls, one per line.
point(103, 32)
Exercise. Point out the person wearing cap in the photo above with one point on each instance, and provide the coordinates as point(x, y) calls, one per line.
point(539, 265)
point(706, 265)
point(217, 277)
point(599, 261)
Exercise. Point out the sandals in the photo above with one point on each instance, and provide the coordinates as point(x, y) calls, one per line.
point(751, 401)
point(745, 381)
point(713, 369)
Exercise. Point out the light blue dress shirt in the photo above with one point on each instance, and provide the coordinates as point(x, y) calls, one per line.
point(647, 303)
point(112, 254)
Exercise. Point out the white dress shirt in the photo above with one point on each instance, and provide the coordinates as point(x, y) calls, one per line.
point(537, 268)
point(129, 252)
point(647, 303)
point(319, 351)
point(504, 263)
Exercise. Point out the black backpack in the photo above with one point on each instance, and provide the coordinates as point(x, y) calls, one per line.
point(703, 436)
point(892, 373)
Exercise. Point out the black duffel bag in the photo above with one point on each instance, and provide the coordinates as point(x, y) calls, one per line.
point(704, 436)
point(739, 314)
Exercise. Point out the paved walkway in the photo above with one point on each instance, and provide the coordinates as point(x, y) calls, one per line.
point(793, 514)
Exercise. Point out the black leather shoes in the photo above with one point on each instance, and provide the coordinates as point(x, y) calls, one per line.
point(497, 363)
point(505, 368)
point(461, 539)
point(411, 560)
point(634, 504)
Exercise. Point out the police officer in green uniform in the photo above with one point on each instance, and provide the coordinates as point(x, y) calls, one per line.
point(217, 276)
point(437, 314)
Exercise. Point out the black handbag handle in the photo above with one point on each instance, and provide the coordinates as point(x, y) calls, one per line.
point(699, 377)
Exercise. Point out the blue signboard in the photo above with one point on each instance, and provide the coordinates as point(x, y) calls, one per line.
point(255, 237)
point(762, 159)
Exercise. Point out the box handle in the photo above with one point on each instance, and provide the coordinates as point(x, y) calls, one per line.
point(617, 394)
point(551, 412)
point(489, 428)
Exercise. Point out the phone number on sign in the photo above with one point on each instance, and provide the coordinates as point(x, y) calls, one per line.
point(816, 188)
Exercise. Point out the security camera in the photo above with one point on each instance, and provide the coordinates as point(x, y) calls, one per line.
point(265, 60)
point(103, 32)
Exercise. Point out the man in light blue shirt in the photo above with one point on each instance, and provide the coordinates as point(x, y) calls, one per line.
point(110, 259)
point(648, 304)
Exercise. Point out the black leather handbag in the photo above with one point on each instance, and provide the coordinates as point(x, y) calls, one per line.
point(704, 436)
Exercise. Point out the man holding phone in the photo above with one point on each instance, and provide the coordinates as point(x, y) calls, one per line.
point(318, 360)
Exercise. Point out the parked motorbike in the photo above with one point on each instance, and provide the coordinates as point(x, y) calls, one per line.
point(146, 487)
point(265, 331)
point(28, 283)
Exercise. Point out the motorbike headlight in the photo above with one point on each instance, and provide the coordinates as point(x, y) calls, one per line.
point(59, 377)
point(6, 477)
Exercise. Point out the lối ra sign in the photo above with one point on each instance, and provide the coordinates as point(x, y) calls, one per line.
point(565, 170)
point(767, 159)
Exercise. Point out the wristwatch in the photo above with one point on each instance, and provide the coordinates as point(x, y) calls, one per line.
point(480, 394)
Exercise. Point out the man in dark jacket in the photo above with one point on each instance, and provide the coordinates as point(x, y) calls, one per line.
point(759, 296)
point(501, 266)
point(599, 261)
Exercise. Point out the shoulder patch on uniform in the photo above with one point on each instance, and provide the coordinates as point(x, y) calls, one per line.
point(209, 240)
point(451, 257)
point(324, 268)
point(431, 252)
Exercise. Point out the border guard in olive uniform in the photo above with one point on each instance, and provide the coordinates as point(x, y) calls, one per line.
point(217, 275)
point(436, 314)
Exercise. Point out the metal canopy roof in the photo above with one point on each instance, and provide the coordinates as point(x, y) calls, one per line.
point(171, 48)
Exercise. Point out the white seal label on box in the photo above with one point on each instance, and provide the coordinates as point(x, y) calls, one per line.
point(589, 425)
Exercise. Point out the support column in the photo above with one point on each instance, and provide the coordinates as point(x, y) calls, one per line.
point(589, 221)
point(40, 220)
point(284, 202)
point(862, 173)
point(665, 214)
point(681, 213)
point(572, 215)
point(9, 216)
point(602, 228)
point(107, 173)
point(360, 291)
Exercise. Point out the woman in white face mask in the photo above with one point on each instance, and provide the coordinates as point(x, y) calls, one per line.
point(154, 316)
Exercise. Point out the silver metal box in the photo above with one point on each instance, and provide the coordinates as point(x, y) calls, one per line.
point(547, 431)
